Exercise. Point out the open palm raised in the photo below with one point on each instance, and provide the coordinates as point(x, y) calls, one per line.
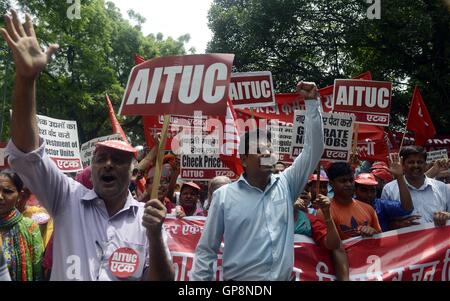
point(29, 58)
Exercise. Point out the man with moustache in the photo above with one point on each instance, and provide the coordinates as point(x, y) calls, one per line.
point(101, 234)
point(254, 214)
point(431, 198)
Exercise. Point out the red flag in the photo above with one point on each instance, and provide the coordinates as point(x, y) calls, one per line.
point(419, 120)
point(138, 59)
point(114, 123)
point(230, 149)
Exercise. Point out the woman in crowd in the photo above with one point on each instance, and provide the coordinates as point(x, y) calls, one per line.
point(22, 241)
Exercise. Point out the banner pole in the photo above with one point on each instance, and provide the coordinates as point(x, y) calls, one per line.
point(159, 158)
point(252, 113)
point(318, 180)
point(355, 137)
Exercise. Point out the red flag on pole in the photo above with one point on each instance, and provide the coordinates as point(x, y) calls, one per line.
point(419, 120)
point(230, 149)
point(138, 59)
point(114, 122)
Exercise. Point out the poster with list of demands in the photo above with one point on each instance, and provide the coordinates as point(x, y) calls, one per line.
point(338, 134)
point(61, 142)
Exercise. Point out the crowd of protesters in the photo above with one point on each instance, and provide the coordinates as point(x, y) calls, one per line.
point(90, 223)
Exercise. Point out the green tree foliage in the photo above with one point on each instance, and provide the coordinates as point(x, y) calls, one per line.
point(321, 40)
point(95, 58)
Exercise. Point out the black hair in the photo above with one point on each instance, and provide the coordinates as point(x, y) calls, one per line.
point(410, 150)
point(261, 136)
point(338, 169)
point(14, 177)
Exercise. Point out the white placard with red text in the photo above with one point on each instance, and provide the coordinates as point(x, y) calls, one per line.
point(436, 155)
point(370, 100)
point(338, 133)
point(62, 146)
point(203, 167)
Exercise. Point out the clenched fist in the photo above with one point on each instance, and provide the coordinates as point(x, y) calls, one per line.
point(154, 215)
point(308, 90)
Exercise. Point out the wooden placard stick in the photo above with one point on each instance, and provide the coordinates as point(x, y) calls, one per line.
point(159, 158)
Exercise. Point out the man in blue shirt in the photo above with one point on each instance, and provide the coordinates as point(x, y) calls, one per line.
point(254, 214)
point(366, 191)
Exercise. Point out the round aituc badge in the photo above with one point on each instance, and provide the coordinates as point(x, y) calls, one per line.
point(124, 262)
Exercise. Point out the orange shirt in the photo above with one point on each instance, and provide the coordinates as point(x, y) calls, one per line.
point(349, 217)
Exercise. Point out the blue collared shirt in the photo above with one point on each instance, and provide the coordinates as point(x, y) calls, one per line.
point(431, 197)
point(86, 237)
point(257, 226)
point(387, 210)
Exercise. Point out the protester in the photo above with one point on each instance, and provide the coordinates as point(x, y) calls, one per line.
point(365, 191)
point(253, 215)
point(382, 174)
point(163, 188)
point(22, 241)
point(324, 234)
point(189, 201)
point(312, 187)
point(94, 227)
point(352, 217)
point(431, 198)
point(31, 208)
point(214, 184)
point(4, 273)
point(279, 167)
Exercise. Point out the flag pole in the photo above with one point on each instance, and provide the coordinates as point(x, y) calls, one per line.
point(406, 124)
point(159, 158)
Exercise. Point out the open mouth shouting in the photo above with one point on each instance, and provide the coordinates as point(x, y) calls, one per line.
point(108, 179)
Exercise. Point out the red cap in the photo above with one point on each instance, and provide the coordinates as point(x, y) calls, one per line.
point(119, 145)
point(191, 184)
point(366, 179)
point(379, 164)
point(383, 174)
point(323, 177)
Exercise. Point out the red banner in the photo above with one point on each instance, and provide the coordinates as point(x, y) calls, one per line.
point(179, 85)
point(370, 101)
point(372, 143)
point(418, 253)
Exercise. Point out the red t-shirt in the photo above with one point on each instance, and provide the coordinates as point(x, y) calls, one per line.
point(318, 229)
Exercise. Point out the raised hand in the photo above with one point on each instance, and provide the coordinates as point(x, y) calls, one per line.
point(308, 90)
point(395, 165)
point(29, 58)
point(303, 201)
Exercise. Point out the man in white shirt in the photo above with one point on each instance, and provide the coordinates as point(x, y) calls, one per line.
point(431, 198)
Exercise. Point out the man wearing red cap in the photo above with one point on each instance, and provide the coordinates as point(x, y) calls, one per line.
point(189, 200)
point(382, 174)
point(352, 217)
point(101, 234)
point(387, 210)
